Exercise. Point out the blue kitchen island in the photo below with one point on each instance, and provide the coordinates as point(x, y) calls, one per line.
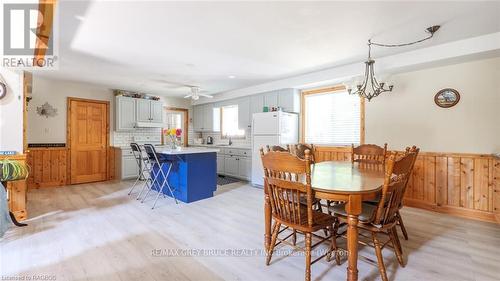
point(193, 174)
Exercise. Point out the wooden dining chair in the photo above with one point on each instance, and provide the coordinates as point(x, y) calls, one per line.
point(369, 154)
point(382, 218)
point(287, 178)
point(398, 214)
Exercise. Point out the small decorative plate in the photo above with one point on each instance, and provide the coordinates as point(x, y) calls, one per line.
point(3, 90)
point(447, 98)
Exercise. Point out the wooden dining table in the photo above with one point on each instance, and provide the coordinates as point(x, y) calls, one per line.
point(340, 181)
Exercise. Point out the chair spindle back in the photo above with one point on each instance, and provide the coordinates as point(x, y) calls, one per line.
point(287, 178)
point(397, 174)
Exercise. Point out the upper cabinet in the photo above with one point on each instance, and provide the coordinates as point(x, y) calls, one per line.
point(130, 111)
point(203, 118)
point(244, 119)
point(256, 104)
point(156, 111)
point(208, 117)
point(149, 111)
point(143, 110)
point(125, 113)
point(271, 99)
point(289, 100)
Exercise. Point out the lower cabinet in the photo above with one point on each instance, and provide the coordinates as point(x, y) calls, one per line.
point(231, 166)
point(244, 167)
point(234, 162)
point(220, 164)
point(126, 165)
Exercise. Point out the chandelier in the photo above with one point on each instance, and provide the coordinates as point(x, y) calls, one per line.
point(370, 87)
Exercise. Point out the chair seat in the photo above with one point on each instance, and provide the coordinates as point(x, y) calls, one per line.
point(320, 221)
point(303, 201)
point(367, 212)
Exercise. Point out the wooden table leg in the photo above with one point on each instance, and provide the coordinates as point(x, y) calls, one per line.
point(267, 222)
point(353, 209)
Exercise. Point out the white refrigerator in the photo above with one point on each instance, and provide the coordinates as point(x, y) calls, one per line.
point(271, 128)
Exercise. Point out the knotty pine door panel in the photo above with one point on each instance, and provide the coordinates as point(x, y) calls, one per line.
point(88, 140)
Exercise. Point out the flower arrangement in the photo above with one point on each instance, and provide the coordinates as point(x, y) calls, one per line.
point(174, 135)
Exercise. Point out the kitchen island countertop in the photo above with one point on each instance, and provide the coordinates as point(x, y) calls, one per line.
point(186, 150)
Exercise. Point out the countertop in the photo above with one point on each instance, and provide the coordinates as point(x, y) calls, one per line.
point(220, 146)
point(185, 150)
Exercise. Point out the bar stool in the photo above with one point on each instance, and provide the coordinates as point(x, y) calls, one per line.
point(158, 161)
point(142, 164)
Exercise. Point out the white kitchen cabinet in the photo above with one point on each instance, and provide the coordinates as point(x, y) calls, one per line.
point(256, 104)
point(271, 99)
point(231, 166)
point(143, 110)
point(244, 120)
point(125, 117)
point(289, 100)
point(208, 117)
point(198, 117)
point(203, 118)
point(220, 164)
point(149, 111)
point(126, 165)
point(156, 111)
point(244, 167)
point(129, 167)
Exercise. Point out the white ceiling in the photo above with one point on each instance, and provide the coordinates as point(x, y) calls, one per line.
point(156, 46)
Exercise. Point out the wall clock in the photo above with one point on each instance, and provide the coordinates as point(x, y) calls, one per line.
point(447, 98)
point(3, 90)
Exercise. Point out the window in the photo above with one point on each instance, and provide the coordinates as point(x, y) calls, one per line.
point(230, 122)
point(332, 118)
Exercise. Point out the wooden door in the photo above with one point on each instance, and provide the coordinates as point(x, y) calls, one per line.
point(88, 133)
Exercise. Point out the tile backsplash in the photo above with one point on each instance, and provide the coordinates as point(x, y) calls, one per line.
point(125, 138)
point(247, 141)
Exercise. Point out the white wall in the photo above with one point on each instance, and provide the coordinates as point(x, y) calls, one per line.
point(409, 115)
point(11, 111)
point(53, 129)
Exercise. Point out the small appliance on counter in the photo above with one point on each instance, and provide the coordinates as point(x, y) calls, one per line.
point(210, 140)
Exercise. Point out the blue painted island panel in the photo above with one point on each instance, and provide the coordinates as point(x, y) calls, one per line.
point(194, 176)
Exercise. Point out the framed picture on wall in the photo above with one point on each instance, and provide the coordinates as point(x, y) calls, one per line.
point(447, 98)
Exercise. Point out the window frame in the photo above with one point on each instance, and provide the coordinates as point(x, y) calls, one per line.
point(332, 89)
point(222, 136)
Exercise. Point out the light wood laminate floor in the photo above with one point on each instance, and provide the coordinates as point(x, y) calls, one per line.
point(97, 232)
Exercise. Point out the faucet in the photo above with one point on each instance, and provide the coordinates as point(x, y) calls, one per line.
point(230, 141)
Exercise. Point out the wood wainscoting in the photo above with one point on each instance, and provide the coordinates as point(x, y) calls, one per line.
point(49, 166)
point(461, 184)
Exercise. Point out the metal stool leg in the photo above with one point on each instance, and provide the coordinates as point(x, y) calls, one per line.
point(155, 177)
point(141, 174)
point(165, 182)
point(147, 175)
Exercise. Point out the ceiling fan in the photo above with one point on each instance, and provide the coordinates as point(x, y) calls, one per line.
point(195, 93)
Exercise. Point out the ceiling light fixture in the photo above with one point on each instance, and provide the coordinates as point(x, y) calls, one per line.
point(370, 87)
point(231, 77)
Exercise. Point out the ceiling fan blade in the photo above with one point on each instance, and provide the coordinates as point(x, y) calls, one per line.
point(205, 95)
point(188, 96)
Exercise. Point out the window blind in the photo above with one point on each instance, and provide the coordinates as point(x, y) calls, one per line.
point(332, 118)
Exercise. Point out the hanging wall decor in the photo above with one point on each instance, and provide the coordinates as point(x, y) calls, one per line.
point(46, 110)
point(447, 98)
